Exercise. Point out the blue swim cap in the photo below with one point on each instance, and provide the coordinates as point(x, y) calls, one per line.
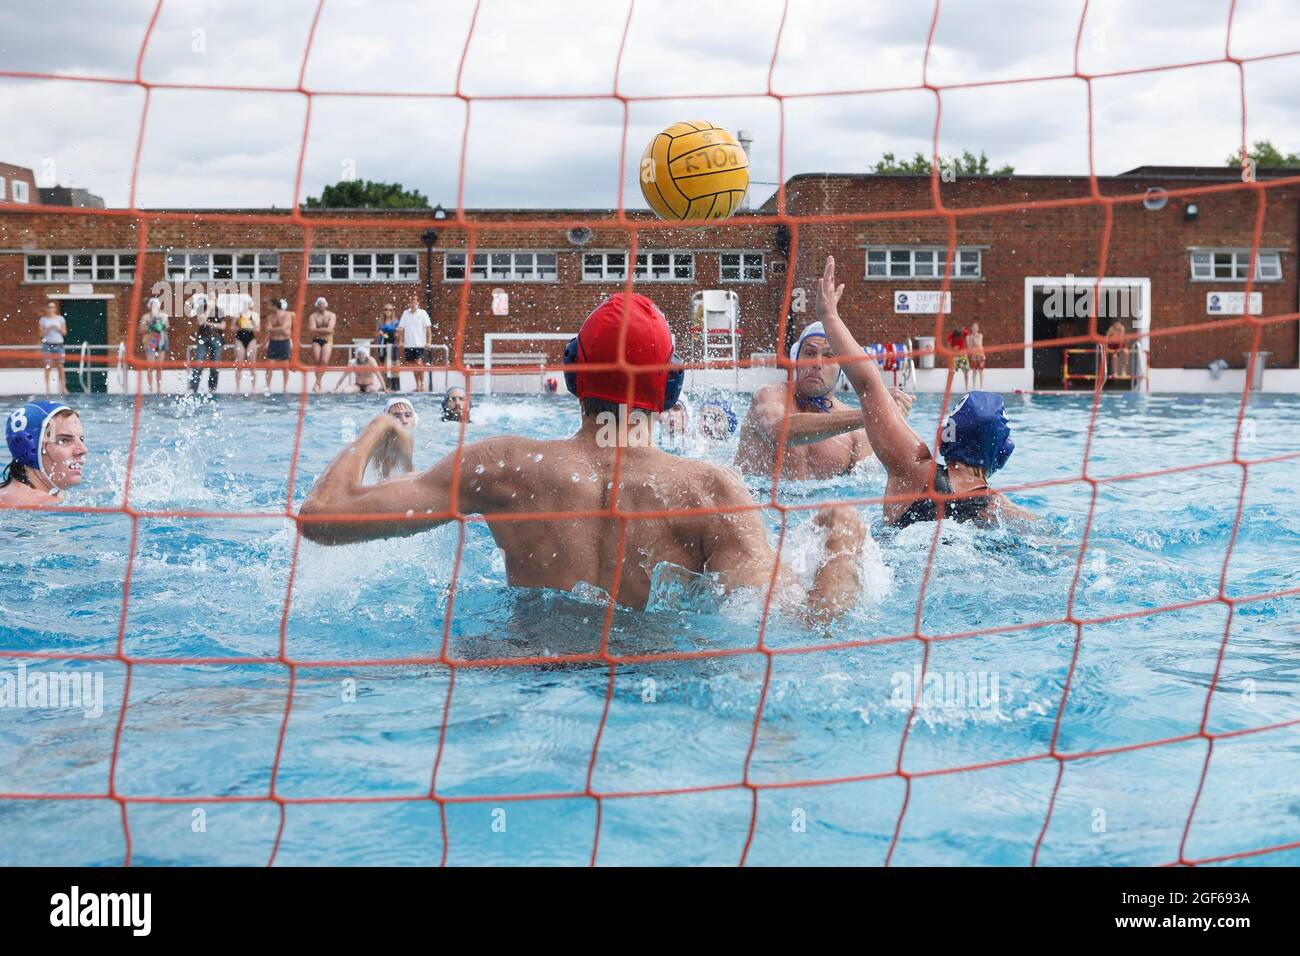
point(977, 432)
point(717, 401)
point(25, 430)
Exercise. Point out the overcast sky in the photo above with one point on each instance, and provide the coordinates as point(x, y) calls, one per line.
point(222, 149)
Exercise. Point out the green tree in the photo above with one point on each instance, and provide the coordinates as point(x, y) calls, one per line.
point(364, 194)
point(967, 164)
point(1264, 153)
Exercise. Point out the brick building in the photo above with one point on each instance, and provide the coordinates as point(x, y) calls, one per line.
point(1185, 257)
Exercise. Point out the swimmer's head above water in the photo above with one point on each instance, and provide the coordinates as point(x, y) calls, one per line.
point(647, 342)
point(977, 433)
point(402, 409)
point(48, 447)
point(717, 418)
point(454, 405)
point(813, 384)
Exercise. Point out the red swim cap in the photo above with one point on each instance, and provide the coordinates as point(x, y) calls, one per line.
point(648, 342)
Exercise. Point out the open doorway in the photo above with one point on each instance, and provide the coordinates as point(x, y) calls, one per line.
point(1058, 307)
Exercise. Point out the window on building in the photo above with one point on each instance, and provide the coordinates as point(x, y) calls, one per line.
point(80, 267)
point(604, 266)
point(224, 266)
point(20, 191)
point(368, 265)
point(742, 266)
point(2, 188)
point(501, 266)
point(650, 266)
point(908, 262)
point(1233, 265)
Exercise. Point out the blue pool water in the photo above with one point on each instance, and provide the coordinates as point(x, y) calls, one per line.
point(216, 587)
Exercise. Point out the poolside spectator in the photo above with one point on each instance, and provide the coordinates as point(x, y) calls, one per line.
point(53, 329)
point(247, 326)
point(321, 322)
point(386, 344)
point(413, 336)
point(960, 361)
point(209, 339)
point(364, 372)
point(1117, 349)
point(278, 345)
point(975, 345)
point(154, 326)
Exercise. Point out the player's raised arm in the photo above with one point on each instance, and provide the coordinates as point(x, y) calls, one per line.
point(410, 503)
point(895, 444)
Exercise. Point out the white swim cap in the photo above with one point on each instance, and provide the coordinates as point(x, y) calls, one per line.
point(320, 302)
point(402, 400)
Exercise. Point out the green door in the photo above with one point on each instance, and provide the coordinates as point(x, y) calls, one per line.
point(87, 322)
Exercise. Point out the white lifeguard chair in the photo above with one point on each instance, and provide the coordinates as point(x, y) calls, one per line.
point(716, 314)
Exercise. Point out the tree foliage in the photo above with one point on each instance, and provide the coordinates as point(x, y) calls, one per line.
point(1264, 153)
point(967, 164)
point(364, 194)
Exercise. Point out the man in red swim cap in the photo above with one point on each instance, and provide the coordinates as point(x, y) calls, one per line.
point(722, 534)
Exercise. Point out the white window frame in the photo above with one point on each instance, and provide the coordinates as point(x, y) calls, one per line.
point(364, 265)
point(73, 270)
point(1268, 267)
point(502, 265)
point(652, 265)
point(744, 263)
point(914, 256)
point(203, 265)
point(2, 189)
point(668, 263)
point(606, 271)
point(20, 195)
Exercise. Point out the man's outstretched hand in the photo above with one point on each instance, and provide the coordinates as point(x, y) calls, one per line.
point(828, 293)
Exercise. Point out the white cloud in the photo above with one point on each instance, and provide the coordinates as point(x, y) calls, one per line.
point(218, 149)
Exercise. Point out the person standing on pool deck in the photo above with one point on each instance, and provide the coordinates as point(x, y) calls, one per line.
point(321, 323)
point(209, 339)
point(960, 361)
point(976, 438)
point(154, 326)
point(823, 436)
point(279, 345)
point(54, 329)
point(247, 325)
point(975, 343)
point(386, 342)
point(48, 447)
point(723, 533)
point(413, 337)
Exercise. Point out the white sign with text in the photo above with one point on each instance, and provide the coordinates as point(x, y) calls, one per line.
point(921, 302)
point(1233, 303)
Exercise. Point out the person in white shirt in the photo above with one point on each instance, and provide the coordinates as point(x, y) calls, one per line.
point(53, 329)
point(413, 339)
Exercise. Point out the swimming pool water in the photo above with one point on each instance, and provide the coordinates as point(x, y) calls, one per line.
point(216, 586)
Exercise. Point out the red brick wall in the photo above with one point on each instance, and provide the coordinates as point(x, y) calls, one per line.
point(1019, 240)
point(9, 173)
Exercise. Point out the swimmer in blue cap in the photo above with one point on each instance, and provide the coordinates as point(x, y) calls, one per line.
point(455, 407)
point(717, 419)
point(976, 439)
point(49, 450)
point(823, 437)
